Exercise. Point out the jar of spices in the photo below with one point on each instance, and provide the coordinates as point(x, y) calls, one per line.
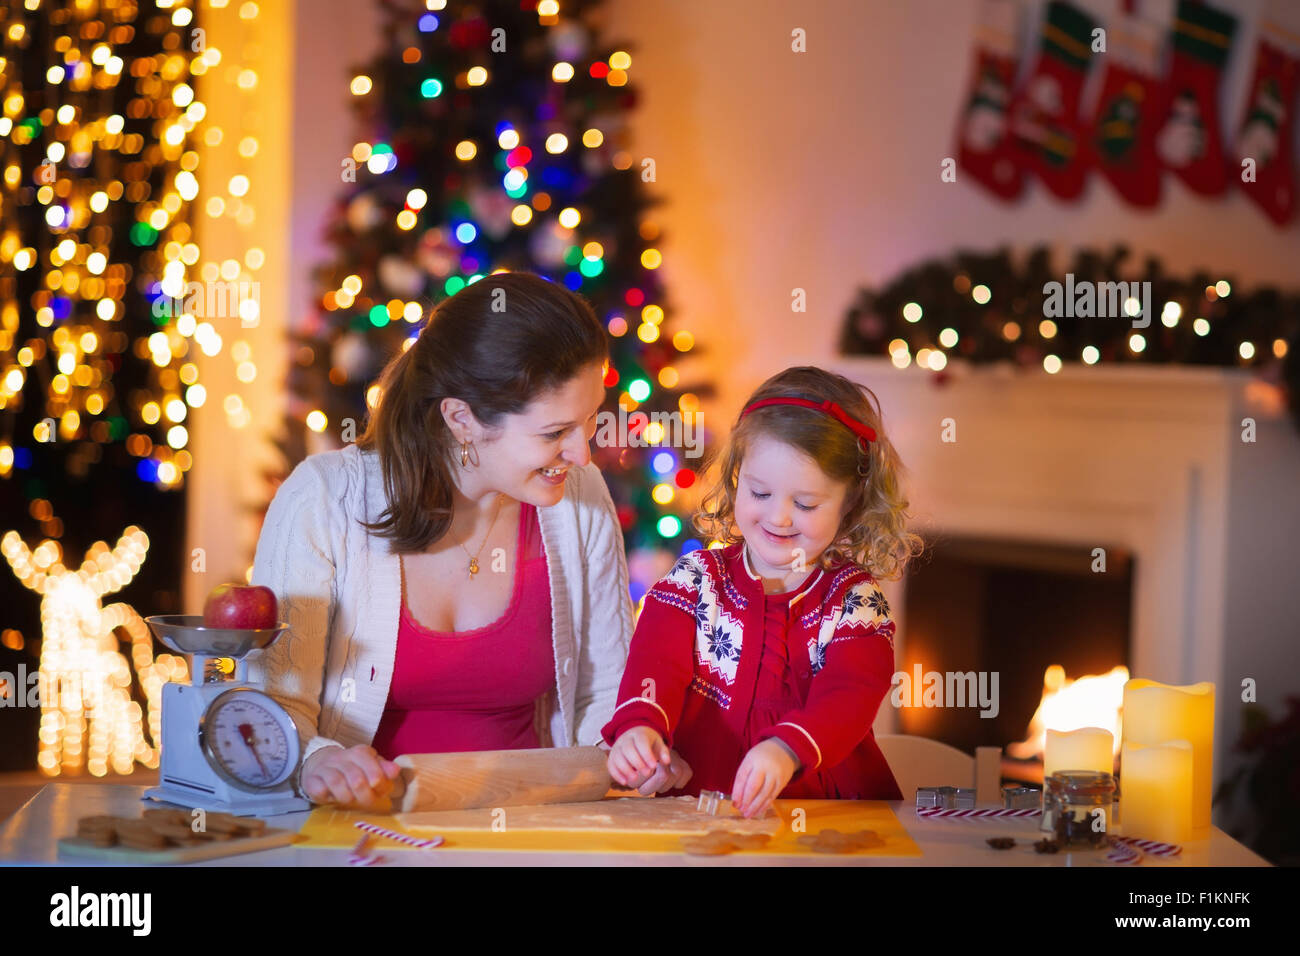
point(1077, 808)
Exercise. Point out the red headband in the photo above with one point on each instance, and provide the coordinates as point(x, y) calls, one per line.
point(830, 408)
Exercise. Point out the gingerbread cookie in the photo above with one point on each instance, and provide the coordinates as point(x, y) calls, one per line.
point(158, 828)
point(833, 841)
point(717, 842)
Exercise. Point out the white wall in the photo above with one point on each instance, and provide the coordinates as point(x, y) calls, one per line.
point(821, 170)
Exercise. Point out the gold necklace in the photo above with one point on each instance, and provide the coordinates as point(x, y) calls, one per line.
point(473, 558)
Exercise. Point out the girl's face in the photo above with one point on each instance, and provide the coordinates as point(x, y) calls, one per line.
point(530, 455)
point(787, 508)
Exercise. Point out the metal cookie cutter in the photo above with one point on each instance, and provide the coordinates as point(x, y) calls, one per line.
point(1022, 798)
point(934, 796)
point(709, 801)
point(948, 798)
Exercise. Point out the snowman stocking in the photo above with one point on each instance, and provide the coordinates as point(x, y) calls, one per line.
point(1123, 128)
point(1266, 132)
point(1045, 117)
point(1189, 141)
point(984, 147)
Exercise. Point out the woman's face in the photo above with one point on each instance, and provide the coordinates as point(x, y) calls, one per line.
point(528, 457)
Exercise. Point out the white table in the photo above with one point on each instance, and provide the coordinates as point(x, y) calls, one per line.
point(30, 836)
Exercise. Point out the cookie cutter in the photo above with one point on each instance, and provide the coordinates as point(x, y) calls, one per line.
point(709, 801)
point(948, 798)
point(1022, 798)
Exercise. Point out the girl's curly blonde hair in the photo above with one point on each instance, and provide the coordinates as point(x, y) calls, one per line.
point(873, 532)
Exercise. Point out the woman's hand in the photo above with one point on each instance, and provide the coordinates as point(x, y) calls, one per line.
point(763, 774)
point(641, 759)
point(356, 777)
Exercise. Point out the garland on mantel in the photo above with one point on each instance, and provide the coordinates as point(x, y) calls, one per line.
point(987, 307)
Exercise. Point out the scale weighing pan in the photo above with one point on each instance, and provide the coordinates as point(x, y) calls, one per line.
point(185, 634)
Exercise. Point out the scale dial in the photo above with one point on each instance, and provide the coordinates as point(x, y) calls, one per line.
point(249, 739)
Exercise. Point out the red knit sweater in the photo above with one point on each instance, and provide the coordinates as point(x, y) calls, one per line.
point(694, 664)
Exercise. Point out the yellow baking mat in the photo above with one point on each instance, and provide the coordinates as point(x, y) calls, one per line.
point(329, 828)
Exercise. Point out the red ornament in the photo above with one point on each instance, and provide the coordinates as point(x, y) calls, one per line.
point(611, 377)
point(634, 297)
point(599, 70)
point(685, 478)
point(626, 516)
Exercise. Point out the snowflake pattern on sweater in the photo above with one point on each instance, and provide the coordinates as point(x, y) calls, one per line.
point(694, 587)
point(862, 612)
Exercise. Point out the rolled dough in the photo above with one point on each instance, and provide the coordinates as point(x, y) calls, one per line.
point(613, 815)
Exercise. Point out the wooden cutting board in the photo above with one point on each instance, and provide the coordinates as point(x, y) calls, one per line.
point(78, 848)
point(668, 815)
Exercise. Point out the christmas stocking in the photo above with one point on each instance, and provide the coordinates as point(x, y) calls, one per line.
point(1123, 128)
point(1266, 132)
point(1189, 141)
point(984, 147)
point(1045, 121)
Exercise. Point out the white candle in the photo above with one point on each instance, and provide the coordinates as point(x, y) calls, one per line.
point(1088, 748)
point(1156, 713)
point(1155, 791)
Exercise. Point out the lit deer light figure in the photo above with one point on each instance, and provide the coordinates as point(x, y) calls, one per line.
point(84, 679)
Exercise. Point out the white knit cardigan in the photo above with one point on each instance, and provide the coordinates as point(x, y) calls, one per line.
point(339, 590)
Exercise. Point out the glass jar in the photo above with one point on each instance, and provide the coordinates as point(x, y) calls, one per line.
point(1077, 808)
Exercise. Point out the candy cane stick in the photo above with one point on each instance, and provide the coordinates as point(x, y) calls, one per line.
point(399, 837)
point(1124, 855)
point(1152, 846)
point(973, 814)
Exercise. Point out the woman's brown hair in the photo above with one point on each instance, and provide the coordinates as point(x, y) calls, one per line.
point(496, 344)
point(873, 532)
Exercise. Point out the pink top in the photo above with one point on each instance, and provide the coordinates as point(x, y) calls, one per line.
point(451, 692)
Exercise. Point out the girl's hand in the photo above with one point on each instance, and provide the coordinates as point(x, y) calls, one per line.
point(763, 774)
point(664, 778)
point(354, 777)
point(641, 759)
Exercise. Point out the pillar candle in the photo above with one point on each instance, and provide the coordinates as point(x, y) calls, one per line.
point(1088, 748)
point(1156, 713)
point(1155, 791)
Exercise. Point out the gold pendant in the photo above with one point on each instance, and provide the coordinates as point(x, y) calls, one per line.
point(473, 567)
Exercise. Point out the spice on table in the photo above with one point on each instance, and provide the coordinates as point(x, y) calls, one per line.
point(1001, 843)
point(1047, 846)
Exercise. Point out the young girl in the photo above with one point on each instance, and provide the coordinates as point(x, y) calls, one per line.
point(756, 669)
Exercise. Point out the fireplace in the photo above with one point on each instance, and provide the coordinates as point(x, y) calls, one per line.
point(1013, 608)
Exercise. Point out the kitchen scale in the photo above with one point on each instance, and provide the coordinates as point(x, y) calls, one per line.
point(226, 744)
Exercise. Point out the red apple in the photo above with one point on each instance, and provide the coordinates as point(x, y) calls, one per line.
point(240, 607)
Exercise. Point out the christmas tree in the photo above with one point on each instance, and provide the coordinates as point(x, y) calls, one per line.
point(98, 354)
point(495, 138)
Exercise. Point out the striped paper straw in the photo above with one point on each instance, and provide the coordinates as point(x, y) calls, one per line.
point(1154, 847)
point(399, 837)
point(974, 814)
point(365, 860)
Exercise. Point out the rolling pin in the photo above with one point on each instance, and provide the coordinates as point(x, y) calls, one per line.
point(499, 778)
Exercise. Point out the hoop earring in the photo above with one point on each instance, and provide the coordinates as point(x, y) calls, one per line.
point(468, 454)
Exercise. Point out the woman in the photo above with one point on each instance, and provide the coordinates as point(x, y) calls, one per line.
point(456, 580)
